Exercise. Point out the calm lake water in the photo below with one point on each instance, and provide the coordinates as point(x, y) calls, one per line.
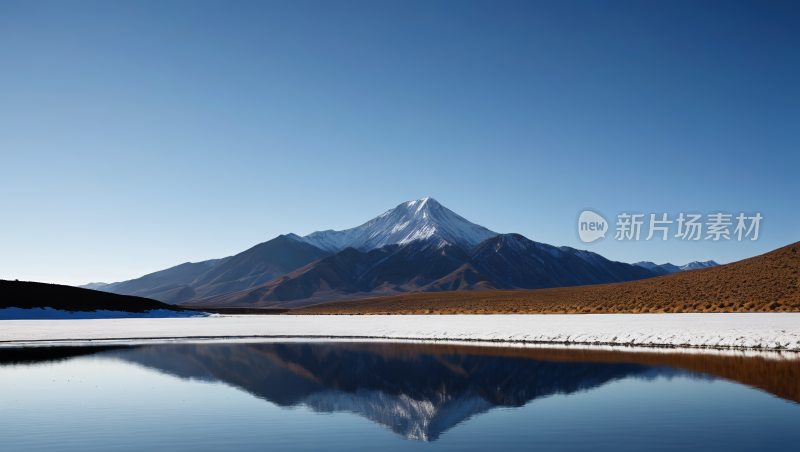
point(392, 396)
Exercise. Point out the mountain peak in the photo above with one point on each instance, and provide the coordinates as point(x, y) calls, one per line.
point(417, 207)
point(420, 220)
point(421, 203)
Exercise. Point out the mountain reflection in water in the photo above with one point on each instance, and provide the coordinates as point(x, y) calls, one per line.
point(411, 391)
point(420, 390)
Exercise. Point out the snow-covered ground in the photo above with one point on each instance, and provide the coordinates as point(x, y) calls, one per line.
point(50, 313)
point(765, 331)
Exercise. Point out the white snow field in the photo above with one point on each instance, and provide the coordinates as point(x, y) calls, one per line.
point(50, 313)
point(742, 331)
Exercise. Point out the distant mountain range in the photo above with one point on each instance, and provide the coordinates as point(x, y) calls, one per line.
point(419, 246)
point(666, 269)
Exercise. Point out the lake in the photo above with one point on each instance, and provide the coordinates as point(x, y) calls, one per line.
point(341, 395)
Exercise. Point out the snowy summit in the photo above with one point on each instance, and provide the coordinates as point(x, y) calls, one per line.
point(421, 220)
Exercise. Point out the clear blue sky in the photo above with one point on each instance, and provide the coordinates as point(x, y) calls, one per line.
point(137, 135)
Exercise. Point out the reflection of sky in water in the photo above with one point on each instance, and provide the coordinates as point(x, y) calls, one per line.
point(341, 395)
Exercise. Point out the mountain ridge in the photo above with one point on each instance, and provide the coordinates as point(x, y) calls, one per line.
point(666, 269)
point(255, 266)
point(505, 261)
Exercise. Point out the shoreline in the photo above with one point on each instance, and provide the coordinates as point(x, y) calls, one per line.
point(691, 331)
point(652, 348)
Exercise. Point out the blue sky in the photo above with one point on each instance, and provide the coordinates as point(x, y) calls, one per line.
point(142, 134)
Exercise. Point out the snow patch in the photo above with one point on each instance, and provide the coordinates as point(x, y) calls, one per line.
point(778, 331)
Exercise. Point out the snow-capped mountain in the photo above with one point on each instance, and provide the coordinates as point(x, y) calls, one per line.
point(697, 264)
point(421, 220)
point(417, 246)
point(666, 269)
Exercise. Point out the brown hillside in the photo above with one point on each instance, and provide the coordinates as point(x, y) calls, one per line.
point(766, 283)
